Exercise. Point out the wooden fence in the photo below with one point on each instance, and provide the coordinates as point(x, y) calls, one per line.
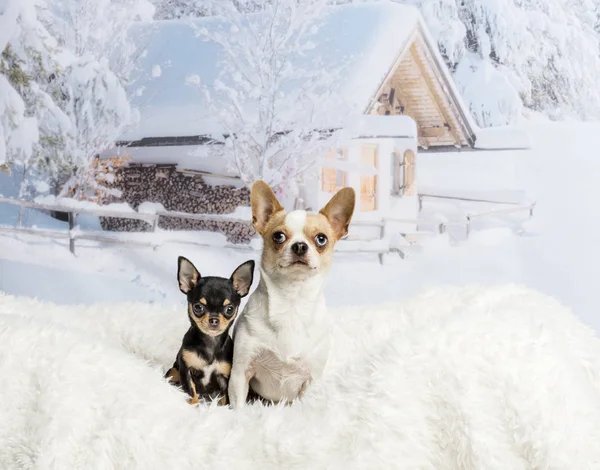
point(421, 196)
point(149, 239)
point(522, 208)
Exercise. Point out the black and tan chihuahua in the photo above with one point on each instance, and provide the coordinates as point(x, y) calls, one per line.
point(203, 364)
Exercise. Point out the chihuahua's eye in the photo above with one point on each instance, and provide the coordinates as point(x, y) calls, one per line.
point(279, 237)
point(321, 240)
point(198, 309)
point(229, 310)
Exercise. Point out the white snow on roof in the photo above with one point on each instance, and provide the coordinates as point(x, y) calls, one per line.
point(361, 41)
point(375, 126)
point(192, 157)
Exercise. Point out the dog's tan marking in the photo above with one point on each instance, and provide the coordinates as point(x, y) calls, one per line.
point(202, 323)
point(203, 301)
point(226, 302)
point(173, 376)
point(220, 367)
point(223, 368)
point(271, 250)
point(314, 225)
point(339, 211)
point(223, 401)
point(194, 399)
point(264, 204)
point(192, 360)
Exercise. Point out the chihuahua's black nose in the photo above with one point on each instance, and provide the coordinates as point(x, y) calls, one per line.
point(213, 321)
point(299, 248)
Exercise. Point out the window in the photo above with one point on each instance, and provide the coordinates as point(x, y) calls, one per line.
point(333, 179)
point(368, 182)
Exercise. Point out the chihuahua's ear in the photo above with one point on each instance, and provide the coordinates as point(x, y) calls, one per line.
point(242, 278)
point(339, 211)
point(187, 275)
point(264, 204)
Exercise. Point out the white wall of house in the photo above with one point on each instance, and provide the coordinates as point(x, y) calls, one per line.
point(352, 168)
point(366, 162)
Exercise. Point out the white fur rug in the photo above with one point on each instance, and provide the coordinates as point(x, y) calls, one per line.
point(496, 378)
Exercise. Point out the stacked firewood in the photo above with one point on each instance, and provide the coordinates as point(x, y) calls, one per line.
point(180, 192)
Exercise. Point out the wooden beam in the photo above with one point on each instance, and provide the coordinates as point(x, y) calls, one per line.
point(407, 102)
point(433, 131)
point(405, 49)
point(431, 53)
point(431, 90)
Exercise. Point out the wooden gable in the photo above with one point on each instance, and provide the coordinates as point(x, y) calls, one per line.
point(417, 87)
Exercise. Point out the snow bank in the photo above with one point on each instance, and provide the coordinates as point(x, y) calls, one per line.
point(502, 137)
point(469, 378)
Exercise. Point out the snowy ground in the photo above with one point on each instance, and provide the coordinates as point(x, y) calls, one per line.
point(556, 252)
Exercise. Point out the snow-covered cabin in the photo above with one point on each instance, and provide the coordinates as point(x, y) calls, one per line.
point(396, 95)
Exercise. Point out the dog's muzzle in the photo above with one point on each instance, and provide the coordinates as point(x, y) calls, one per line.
point(299, 249)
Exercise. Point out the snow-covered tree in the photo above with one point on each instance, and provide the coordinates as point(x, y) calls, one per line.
point(34, 128)
point(63, 68)
point(174, 9)
point(97, 29)
point(506, 54)
point(263, 82)
point(547, 51)
point(102, 56)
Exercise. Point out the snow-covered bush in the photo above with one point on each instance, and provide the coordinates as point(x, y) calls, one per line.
point(95, 180)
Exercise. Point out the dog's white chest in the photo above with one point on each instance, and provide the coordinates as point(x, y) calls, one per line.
point(286, 345)
point(297, 330)
point(291, 348)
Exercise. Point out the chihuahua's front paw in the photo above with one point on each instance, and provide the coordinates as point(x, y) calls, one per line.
point(194, 400)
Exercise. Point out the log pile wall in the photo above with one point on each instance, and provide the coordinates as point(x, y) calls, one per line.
point(179, 192)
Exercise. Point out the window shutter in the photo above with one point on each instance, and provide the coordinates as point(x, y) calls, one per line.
point(397, 174)
point(409, 173)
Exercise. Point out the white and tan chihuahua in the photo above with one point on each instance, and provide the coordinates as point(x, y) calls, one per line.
point(282, 339)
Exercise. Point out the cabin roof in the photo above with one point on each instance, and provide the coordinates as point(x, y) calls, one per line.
point(356, 44)
point(368, 48)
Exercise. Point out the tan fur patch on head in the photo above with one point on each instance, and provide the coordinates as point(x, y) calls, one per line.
point(226, 302)
point(276, 224)
point(318, 224)
point(272, 250)
point(203, 325)
point(203, 301)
